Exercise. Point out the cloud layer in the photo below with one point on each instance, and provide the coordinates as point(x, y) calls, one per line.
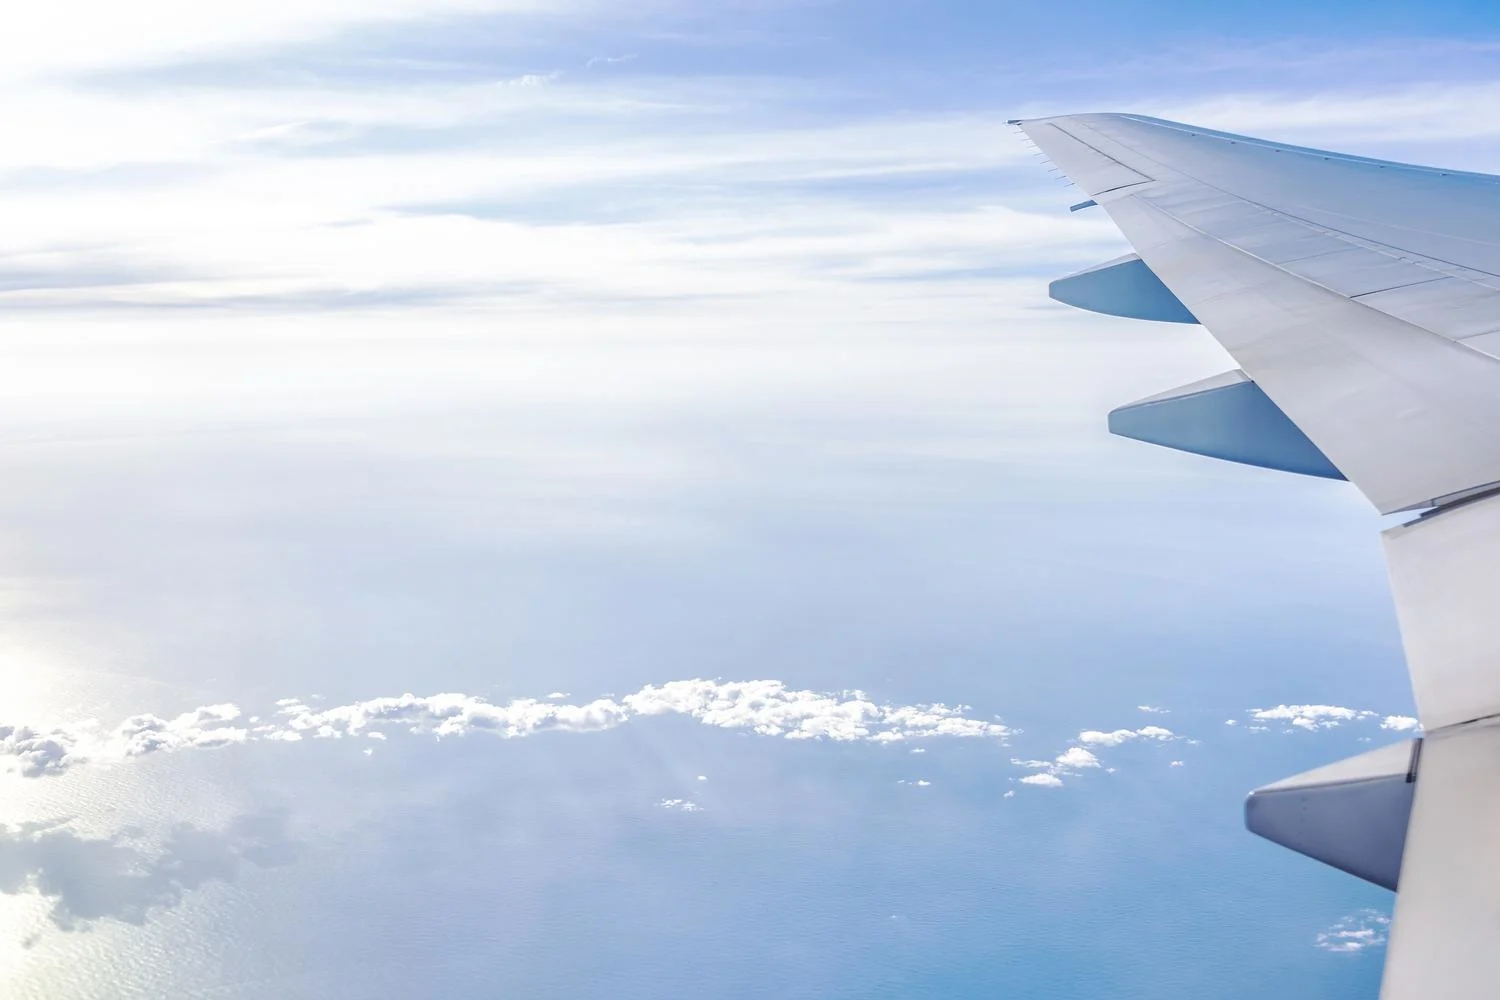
point(763, 707)
point(767, 708)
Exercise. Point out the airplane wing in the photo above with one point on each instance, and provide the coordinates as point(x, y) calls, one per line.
point(1361, 301)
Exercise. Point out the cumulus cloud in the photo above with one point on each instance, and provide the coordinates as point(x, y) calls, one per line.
point(763, 707)
point(1153, 709)
point(769, 708)
point(1044, 780)
point(1312, 718)
point(1094, 737)
point(1357, 932)
point(37, 752)
point(1069, 762)
point(1076, 759)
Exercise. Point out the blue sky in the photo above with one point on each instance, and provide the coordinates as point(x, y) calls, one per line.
point(668, 402)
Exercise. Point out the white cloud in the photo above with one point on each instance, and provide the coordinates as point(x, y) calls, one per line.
point(766, 708)
point(1009, 794)
point(449, 213)
point(1094, 737)
point(1176, 763)
point(919, 783)
point(37, 752)
point(1069, 762)
point(1153, 709)
point(1079, 758)
point(1311, 718)
point(610, 60)
point(769, 708)
point(1357, 932)
point(1044, 780)
point(1076, 757)
point(680, 805)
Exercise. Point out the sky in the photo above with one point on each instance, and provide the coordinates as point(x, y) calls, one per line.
point(532, 498)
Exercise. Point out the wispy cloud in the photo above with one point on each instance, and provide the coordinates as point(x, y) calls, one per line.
point(45, 40)
point(503, 188)
point(611, 60)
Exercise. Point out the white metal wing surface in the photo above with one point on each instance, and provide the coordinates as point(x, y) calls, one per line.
point(1361, 300)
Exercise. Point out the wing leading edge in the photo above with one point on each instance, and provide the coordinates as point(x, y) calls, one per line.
point(1362, 298)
